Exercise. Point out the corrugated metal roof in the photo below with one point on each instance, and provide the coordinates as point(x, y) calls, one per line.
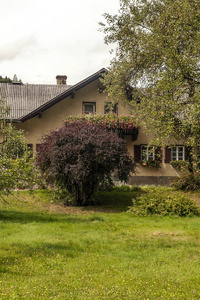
point(25, 98)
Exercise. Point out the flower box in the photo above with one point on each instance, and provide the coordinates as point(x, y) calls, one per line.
point(150, 163)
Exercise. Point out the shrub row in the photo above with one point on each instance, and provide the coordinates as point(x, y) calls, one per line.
point(161, 201)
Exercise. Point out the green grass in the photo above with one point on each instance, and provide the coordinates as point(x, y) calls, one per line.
point(48, 251)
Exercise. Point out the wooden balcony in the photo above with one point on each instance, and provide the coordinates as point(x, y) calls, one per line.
point(133, 132)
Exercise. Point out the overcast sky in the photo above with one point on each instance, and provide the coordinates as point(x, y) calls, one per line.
point(40, 39)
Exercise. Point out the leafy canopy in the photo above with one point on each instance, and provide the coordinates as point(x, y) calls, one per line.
point(79, 157)
point(14, 143)
point(157, 62)
point(17, 169)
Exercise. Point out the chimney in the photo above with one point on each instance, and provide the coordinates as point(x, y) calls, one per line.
point(61, 79)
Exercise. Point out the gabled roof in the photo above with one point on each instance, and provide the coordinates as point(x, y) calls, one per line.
point(70, 91)
point(24, 98)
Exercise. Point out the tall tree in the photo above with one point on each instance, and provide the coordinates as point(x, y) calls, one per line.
point(16, 166)
point(5, 79)
point(156, 68)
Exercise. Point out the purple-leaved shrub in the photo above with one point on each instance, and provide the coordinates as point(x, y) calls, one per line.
point(78, 157)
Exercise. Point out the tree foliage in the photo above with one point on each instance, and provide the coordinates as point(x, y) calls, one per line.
point(5, 79)
point(16, 173)
point(8, 80)
point(14, 144)
point(17, 168)
point(156, 68)
point(79, 157)
point(4, 111)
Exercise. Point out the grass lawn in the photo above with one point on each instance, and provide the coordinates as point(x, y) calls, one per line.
point(48, 251)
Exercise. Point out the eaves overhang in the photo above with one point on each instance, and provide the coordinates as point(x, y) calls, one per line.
point(11, 120)
point(63, 95)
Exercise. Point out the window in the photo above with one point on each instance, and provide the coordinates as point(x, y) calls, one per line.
point(110, 107)
point(178, 153)
point(147, 153)
point(89, 107)
point(143, 152)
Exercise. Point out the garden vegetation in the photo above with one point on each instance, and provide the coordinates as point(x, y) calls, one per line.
point(51, 251)
point(156, 68)
point(162, 201)
point(79, 157)
point(17, 167)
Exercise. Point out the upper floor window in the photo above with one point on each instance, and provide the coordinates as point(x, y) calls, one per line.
point(178, 153)
point(148, 153)
point(89, 107)
point(110, 107)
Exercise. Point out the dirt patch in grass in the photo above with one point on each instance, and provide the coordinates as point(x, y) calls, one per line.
point(61, 209)
point(116, 201)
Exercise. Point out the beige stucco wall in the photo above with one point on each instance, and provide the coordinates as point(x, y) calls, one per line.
point(164, 170)
point(54, 118)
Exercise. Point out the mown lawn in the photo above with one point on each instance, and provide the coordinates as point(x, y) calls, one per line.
point(48, 251)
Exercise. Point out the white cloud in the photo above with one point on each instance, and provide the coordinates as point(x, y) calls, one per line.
point(11, 50)
point(43, 38)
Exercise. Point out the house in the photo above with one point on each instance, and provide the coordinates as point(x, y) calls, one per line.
point(38, 109)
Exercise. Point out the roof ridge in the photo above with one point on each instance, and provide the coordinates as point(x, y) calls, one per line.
point(26, 100)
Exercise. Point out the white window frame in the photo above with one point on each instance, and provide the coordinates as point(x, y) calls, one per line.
point(89, 103)
point(147, 153)
point(175, 149)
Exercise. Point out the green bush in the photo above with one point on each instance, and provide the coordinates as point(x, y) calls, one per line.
point(188, 181)
point(61, 196)
point(127, 188)
point(180, 164)
point(163, 202)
